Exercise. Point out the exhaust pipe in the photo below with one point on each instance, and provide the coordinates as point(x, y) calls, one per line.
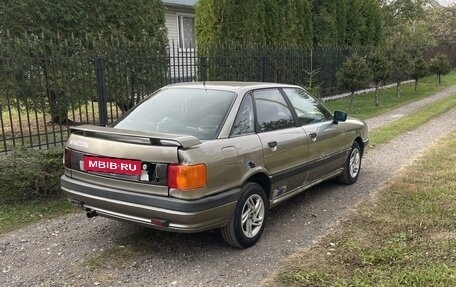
point(91, 214)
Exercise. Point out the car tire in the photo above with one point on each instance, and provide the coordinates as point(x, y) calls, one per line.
point(248, 221)
point(352, 165)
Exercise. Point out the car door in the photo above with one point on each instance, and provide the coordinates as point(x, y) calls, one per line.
point(285, 146)
point(326, 139)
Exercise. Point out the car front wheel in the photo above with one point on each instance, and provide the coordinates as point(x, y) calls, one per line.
point(352, 166)
point(248, 221)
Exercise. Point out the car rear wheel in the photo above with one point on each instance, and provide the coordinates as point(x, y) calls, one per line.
point(352, 165)
point(248, 221)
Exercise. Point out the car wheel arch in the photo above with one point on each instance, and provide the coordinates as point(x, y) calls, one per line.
point(359, 140)
point(263, 180)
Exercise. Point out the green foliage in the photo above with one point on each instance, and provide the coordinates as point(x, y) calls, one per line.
point(440, 65)
point(83, 19)
point(419, 70)
point(372, 32)
point(226, 21)
point(341, 17)
point(301, 22)
point(355, 22)
point(46, 43)
point(402, 66)
point(28, 174)
point(253, 22)
point(380, 66)
point(354, 75)
point(397, 13)
point(346, 22)
point(442, 22)
point(325, 21)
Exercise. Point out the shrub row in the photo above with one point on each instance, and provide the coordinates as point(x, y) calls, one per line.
point(28, 173)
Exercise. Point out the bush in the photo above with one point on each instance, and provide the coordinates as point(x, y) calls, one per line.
point(440, 65)
point(28, 174)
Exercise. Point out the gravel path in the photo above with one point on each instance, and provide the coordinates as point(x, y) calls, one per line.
point(398, 113)
point(54, 252)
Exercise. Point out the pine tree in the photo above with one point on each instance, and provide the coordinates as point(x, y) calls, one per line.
point(341, 18)
point(354, 75)
point(324, 18)
point(355, 23)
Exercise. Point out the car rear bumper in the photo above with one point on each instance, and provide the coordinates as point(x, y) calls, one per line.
point(172, 214)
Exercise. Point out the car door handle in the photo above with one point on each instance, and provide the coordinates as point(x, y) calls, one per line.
point(272, 144)
point(313, 136)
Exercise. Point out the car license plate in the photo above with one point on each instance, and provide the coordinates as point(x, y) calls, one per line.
point(112, 165)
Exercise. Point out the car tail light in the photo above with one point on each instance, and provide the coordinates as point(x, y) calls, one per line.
point(186, 177)
point(67, 158)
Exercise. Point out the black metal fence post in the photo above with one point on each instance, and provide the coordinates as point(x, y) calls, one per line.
point(264, 66)
point(101, 91)
point(203, 67)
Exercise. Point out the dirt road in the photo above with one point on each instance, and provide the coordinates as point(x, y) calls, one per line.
point(56, 252)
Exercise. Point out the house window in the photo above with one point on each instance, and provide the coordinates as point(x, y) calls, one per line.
point(186, 31)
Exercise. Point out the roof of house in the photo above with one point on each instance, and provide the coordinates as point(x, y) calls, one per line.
point(181, 3)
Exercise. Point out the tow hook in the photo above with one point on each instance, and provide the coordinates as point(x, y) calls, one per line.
point(91, 214)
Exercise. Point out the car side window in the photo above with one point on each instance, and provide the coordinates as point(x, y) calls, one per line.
point(272, 110)
point(306, 107)
point(244, 122)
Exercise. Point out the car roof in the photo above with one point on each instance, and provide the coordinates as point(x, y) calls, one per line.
point(228, 85)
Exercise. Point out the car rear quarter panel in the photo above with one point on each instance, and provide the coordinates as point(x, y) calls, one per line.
point(229, 162)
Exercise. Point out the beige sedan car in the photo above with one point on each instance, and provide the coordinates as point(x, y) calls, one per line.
point(199, 156)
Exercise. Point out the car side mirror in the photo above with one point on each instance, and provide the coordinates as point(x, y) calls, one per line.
point(339, 117)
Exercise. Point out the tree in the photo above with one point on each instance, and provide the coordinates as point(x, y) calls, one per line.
point(372, 32)
point(70, 28)
point(419, 69)
point(401, 67)
point(442, 22)
point(253, 22)
point(341, 18)
point(353, 75)
point(220, 22)
point(355, 23)
point(440, 65)
point(398, 12)
point(324, 17)
point(380, 67)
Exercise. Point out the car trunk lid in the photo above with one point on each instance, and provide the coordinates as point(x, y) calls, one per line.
point(130, 160)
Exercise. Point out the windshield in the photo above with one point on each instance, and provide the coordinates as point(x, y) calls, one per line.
point(196, 112)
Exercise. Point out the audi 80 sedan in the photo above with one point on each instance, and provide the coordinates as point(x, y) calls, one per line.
point(199, 156)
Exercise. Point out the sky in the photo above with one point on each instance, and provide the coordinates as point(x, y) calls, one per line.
point(447, 2)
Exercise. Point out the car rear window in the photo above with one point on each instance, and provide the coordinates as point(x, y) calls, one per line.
point(196, 112)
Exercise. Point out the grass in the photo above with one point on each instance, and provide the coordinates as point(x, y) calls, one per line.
point(388, 132)
point(365, 104)
point(404, 236)
point(14, 215)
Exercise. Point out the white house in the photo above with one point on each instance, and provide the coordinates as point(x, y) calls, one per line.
point(180, 22)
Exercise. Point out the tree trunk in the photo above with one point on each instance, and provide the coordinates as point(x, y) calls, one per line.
point(416, 84)
point(439, 79)
point(398, 89)
point(377, 101)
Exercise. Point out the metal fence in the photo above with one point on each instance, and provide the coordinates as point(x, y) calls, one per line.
point(45, 87)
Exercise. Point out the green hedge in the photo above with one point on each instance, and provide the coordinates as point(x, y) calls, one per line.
point(28, 173)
